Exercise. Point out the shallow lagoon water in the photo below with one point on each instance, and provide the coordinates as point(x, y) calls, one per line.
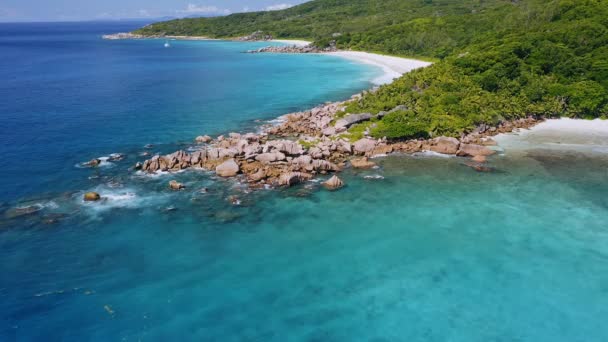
point(421, 249)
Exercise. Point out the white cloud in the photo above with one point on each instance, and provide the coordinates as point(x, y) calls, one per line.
point(144, 13)
point(278, 7)
point(198, 9)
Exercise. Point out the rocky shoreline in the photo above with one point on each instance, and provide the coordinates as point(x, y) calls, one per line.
point(311, 143)
point(310, 48)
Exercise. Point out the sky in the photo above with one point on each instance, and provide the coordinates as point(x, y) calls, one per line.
point(74, 10)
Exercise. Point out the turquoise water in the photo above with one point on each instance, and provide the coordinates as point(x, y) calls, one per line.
point(420, 249)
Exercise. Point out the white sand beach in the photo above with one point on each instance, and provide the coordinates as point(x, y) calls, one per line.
point(393, 67)
point(560, 134)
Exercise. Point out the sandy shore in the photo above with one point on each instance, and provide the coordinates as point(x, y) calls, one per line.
point(560, 134)
point(393, 67)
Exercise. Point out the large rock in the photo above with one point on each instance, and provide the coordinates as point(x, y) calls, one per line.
point(329, 131)
point(362, 163)
point(474, 150)
point(227, 153)
point(92, 196)
point(203, 139)
point(333, 183)
point(258, 176)
point(364, 145)
point(344, 147)
point(229, 168)
point(324, 165)
point(285, 146)
point(352, 119)
point(293, 178)
point(252, 150)
point(445, 145)
point(270, 157)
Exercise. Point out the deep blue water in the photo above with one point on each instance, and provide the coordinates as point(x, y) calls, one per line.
point(433, 251)
point(68, 95)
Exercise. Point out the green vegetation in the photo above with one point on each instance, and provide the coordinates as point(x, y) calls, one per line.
point(496, 59)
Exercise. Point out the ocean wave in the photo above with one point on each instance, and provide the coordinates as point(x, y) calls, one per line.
point(432, 154)
point(374, 177)
point(121, 198)
point(39, 206)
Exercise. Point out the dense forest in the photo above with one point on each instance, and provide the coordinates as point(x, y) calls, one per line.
point(494, 59)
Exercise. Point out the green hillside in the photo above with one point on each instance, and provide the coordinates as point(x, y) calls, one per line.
point(496, 59)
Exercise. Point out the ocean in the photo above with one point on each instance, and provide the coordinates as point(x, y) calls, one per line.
point(421, 248)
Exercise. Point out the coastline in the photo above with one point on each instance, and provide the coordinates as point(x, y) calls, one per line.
point(392, 66)
point(305, 145)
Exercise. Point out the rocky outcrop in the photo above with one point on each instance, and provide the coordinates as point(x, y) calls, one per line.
point(175, 185)
point(334, 183)
point(351, 119)
point(270, 157)
point(91, 197)
point(122, 35)
point(364, 145)
point(294, 49)
point(306, 144)
point(203, 139)
point(229, 168)
point(445, 145)
point(256, 36)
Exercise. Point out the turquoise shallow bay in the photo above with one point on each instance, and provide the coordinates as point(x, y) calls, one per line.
point(429, 251)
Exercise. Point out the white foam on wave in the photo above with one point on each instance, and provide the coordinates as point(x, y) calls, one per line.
point(160, 174)
point(379, 156)
point(39, 206)
point(374, 177)
point(432, 154)
point(120, 198)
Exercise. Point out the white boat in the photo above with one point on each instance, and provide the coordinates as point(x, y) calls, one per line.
point(167, 44)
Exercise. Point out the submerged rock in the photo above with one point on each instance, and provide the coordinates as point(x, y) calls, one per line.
point(229, 168)
point(293, 178)
point(175, 185)
point(92, 196)
point(362, 163)
point(474, 150)
point(479, 159)
point(333, 183)
point(92, 163)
